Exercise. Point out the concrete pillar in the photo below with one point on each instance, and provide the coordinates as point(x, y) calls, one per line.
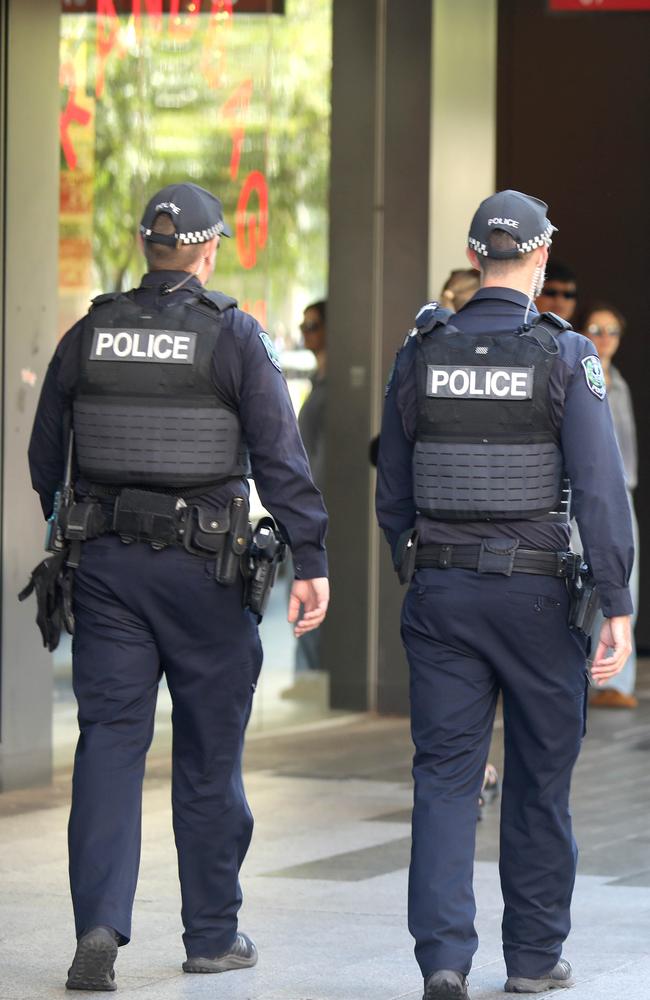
point(379, 221)
point(29, 109)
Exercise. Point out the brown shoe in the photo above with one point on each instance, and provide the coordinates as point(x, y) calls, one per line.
point(611, 698)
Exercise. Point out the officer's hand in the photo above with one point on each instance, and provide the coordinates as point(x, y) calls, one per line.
point(314, 596)
point(615, 635)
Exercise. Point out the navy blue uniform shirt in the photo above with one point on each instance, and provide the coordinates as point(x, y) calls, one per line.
point(592, 458)
point(247, 380)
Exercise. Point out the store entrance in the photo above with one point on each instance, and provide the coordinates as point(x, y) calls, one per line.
point(233, 96)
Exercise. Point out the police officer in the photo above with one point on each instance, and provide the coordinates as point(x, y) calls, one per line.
point(169, 391)
point(490, 418)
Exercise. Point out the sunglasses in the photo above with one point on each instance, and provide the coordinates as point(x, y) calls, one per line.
point(556, 293)
point(603, 331)
point(310, 327)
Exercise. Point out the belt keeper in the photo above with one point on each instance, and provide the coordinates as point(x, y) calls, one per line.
point(444, 557)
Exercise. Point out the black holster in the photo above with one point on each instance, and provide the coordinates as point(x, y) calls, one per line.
point(405, 553)
point(265, 554)
point(584, 600)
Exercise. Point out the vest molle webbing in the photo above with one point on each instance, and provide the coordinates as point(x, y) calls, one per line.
point(486, 447)
point(146, 410)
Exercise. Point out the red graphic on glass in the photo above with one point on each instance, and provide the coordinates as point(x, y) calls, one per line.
point(72, 112)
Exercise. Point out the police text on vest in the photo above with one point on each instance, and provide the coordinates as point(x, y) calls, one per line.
point(172, 347)
point(479, 382)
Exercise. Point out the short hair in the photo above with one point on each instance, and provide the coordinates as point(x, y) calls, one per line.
point(321, 308)
point(161, 257)
point(580, 322)
point(498, 267)
point(459, 287)
point(557, 271)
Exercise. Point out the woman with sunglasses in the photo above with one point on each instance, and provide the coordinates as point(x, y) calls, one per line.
point(605, 325)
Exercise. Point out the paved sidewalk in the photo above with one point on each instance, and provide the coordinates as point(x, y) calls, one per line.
point(325, 880)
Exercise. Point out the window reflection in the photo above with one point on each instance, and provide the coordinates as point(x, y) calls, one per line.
point(236, 99)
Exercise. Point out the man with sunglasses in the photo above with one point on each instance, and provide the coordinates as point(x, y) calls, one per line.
point(559, 293)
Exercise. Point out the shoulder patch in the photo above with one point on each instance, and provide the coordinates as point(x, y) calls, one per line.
point(594, 376)
point(269, 347)
point(425, 314)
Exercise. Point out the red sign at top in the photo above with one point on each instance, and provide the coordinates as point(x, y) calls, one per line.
point(595, 5)
point(155, 8)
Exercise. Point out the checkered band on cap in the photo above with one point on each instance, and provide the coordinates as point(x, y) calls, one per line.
point(478, 246)
point(543, 240)
point(199, 236)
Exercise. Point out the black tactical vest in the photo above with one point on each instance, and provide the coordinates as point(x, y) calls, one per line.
point(145, 408)
point(487, 447)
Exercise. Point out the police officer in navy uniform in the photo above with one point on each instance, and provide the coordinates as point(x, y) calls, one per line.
point(492, 417)
point(170, 391)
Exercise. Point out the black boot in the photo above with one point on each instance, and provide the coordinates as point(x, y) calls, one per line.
point(92, 965)
point(445, 984)
point(242, 954)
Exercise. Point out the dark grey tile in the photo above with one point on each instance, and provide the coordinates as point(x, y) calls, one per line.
point(639, 879)
point(353, 866)
point(398, 816)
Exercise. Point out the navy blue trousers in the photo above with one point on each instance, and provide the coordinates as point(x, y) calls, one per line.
point(140, 613)
point(469, 636)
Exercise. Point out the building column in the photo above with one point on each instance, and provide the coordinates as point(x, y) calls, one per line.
point(29, 198)
point(379, 225)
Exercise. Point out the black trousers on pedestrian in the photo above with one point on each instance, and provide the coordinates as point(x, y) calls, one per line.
point(469, 636)
point(139, 614)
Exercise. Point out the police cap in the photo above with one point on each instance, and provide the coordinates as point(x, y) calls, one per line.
point(520, 215)
point(197, 215)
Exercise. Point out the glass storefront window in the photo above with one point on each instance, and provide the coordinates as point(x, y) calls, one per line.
point(235, 97)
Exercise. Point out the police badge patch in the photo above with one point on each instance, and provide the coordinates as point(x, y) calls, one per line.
point(269, 347)
point(595, 376)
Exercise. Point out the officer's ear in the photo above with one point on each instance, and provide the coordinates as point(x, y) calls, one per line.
point(472, 257)
point(540, 256)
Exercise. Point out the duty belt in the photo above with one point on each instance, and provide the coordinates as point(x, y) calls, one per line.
point(493, 556)
point(160, 520)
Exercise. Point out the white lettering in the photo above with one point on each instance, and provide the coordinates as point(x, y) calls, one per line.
point(103, 340)
point(438, 379)
point(181, 348)
point(168, 204)
point(158, 351)
point(459, 374)
point(474, 390)
point(503, 391)
point(519, 387)
point(497, 221)
point(136, 352)
point(126, 339)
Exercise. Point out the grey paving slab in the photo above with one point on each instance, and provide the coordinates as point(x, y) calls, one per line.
point(353, 866)
point(332, 811)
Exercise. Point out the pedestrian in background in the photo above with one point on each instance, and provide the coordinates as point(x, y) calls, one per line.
point(560, 291)
point(604, 324)
point(483, 418)
point(311, 421)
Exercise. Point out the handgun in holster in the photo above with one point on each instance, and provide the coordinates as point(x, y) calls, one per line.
point(405, 554)
point(584, 600)
point(265, 554)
